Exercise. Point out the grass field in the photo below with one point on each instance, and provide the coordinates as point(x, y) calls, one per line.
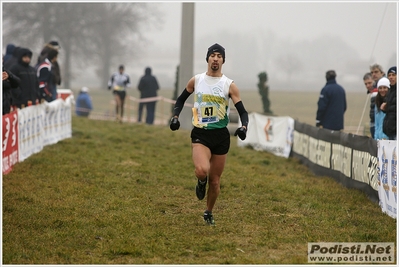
point(124, 194)
point(301, 106)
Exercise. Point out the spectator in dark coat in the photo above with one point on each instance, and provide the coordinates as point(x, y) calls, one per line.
point(148, 87)
point(29, 84)
point(390, 123)
point(12, 60)
point(10, 83)
point(83, 103)
point(9, 50)
point(331, 104)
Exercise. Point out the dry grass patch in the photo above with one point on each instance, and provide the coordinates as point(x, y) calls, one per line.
point(124, 194)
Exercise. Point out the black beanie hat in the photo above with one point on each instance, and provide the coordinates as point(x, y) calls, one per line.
point(55, 45)
point(392, 70)
point(215, 48)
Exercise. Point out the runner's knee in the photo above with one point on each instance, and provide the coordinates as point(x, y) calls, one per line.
point(201, 172)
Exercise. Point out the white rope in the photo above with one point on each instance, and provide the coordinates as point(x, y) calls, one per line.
point(372, 53)
point(378, 33)
point(364, 108)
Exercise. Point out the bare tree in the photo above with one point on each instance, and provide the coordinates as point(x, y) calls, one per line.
point(289, 63)
point(23, 26)
point(117, 40)
point(89, 33)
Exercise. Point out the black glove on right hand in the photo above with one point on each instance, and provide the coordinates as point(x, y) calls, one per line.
point(174, 124)
point(241, 132)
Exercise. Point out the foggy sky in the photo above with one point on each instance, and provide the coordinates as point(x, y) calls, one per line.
point(369, 29)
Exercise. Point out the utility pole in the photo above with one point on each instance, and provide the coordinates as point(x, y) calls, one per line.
point(186, 60)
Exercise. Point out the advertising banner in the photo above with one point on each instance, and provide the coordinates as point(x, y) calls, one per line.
point(57, 121)
point(26, 131)
point(30, 121)
point(387, 176)
point(348, 158)
point(10, 141)
point(269, 133)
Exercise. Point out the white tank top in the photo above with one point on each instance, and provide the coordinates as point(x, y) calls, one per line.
point(211, 101)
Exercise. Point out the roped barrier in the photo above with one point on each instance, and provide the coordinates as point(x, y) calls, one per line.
point(163, 111)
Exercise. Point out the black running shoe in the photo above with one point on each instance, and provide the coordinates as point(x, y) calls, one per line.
point(200, 189)
point(208, 218)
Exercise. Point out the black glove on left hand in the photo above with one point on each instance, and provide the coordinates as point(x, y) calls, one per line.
point(174, 124)
point(241, 132)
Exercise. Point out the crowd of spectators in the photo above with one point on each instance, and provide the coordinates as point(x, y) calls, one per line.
point(26, 83)
point(331, 105)
point(382, 90)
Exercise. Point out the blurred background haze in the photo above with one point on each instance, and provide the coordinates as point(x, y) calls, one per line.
point(294, 42)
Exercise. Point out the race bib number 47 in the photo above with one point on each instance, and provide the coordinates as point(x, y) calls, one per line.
point(209, 114)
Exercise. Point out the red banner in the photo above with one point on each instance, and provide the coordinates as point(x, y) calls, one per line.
point(10, 141)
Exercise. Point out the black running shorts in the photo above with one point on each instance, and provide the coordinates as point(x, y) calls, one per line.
point(122, 94)
point(217, 140)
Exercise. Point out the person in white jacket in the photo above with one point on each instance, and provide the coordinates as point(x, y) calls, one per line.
point(118, 82)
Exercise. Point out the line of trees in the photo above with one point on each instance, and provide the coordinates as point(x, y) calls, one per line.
point(90, 34)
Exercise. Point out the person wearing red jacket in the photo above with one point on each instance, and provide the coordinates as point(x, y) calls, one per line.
point(45, 76)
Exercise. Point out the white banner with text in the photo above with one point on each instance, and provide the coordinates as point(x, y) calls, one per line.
point(387, 176)
point(269, 133)
point(42, 125)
